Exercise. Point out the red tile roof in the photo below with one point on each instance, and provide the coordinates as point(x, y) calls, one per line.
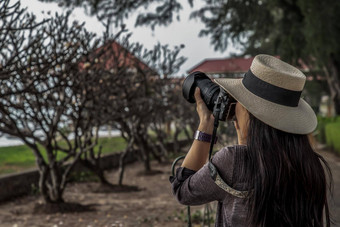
point(227, 65)
point(115, 55)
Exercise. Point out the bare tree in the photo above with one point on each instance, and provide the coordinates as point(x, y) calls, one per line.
point(167, 62)
point(135, 94)
point(181, 114)
point(39, 68)
point(58, 88)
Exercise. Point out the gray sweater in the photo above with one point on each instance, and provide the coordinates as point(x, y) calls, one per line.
point(196, 188)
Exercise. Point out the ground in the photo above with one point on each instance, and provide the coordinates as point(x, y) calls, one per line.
point(152, 205)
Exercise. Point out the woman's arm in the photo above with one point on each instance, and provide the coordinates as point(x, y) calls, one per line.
point(199, 151)
point(195, 188)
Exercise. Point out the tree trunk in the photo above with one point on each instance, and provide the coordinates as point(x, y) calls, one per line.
point(187, 133)
point(57, 195)
point(147, 166)
point(164, 151)
point(43, 172)
point(175, 141)
point(161, 137)
point(122, 167)
point(55, 191)
point(145, 155)
point(153, 149)
point(142, 144)
point(333, 80)
point(51, 192)
point(50, 178)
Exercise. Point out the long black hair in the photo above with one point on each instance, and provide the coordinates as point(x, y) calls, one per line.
point(287, 178)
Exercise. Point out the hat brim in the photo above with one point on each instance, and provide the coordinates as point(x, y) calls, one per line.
point(297, 120)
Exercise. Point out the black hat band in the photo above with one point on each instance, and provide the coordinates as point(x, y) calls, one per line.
point(270, 92)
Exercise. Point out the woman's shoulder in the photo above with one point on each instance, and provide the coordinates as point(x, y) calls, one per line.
point(227, 159)
point(237, 147)
point(229, 152)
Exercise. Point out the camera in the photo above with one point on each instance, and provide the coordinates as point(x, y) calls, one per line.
point(217, 99)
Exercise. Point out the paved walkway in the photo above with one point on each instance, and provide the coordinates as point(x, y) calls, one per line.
point(334, 163)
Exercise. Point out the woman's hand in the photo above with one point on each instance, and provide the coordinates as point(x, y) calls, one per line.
point(206, 118)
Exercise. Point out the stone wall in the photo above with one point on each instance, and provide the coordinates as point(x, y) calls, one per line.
point(18, 184)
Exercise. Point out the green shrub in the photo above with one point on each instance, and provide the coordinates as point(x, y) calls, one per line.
point(332, 132)
point(337, 119)
point(322, 122)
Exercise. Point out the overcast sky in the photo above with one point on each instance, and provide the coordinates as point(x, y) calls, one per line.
point(183, 32)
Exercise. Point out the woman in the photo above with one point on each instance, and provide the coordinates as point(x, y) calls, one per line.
point(272, 177)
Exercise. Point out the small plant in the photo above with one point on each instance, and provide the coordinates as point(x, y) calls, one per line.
point(34, 190)
point(182, 215)
point(83, 176)
point(202, 217)
point(197, 217)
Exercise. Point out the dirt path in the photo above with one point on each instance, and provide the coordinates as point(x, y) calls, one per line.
point(153, 205)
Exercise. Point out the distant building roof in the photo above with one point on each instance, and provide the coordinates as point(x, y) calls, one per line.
point(114, 55)
point(227, 65)
point(234, 65)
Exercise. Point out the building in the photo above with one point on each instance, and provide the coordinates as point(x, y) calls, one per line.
point(237, 67)
point(227, 67)
point(233, 67)
point(115, 57)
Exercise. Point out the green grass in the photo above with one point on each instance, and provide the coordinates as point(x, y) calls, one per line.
point(111, 145)
point(18, 158)
point(15, 159)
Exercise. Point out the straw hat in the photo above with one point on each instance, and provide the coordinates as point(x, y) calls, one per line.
point(271, 91)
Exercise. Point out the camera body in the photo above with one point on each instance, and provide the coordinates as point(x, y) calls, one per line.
point(217, 99)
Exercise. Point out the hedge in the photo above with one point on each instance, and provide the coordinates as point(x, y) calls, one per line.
point(332, 133)
point(322, 122)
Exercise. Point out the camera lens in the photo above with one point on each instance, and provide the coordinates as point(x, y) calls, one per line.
point(209, 90)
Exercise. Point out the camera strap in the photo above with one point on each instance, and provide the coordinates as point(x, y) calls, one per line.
point(213, 137)
point(213, 170)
